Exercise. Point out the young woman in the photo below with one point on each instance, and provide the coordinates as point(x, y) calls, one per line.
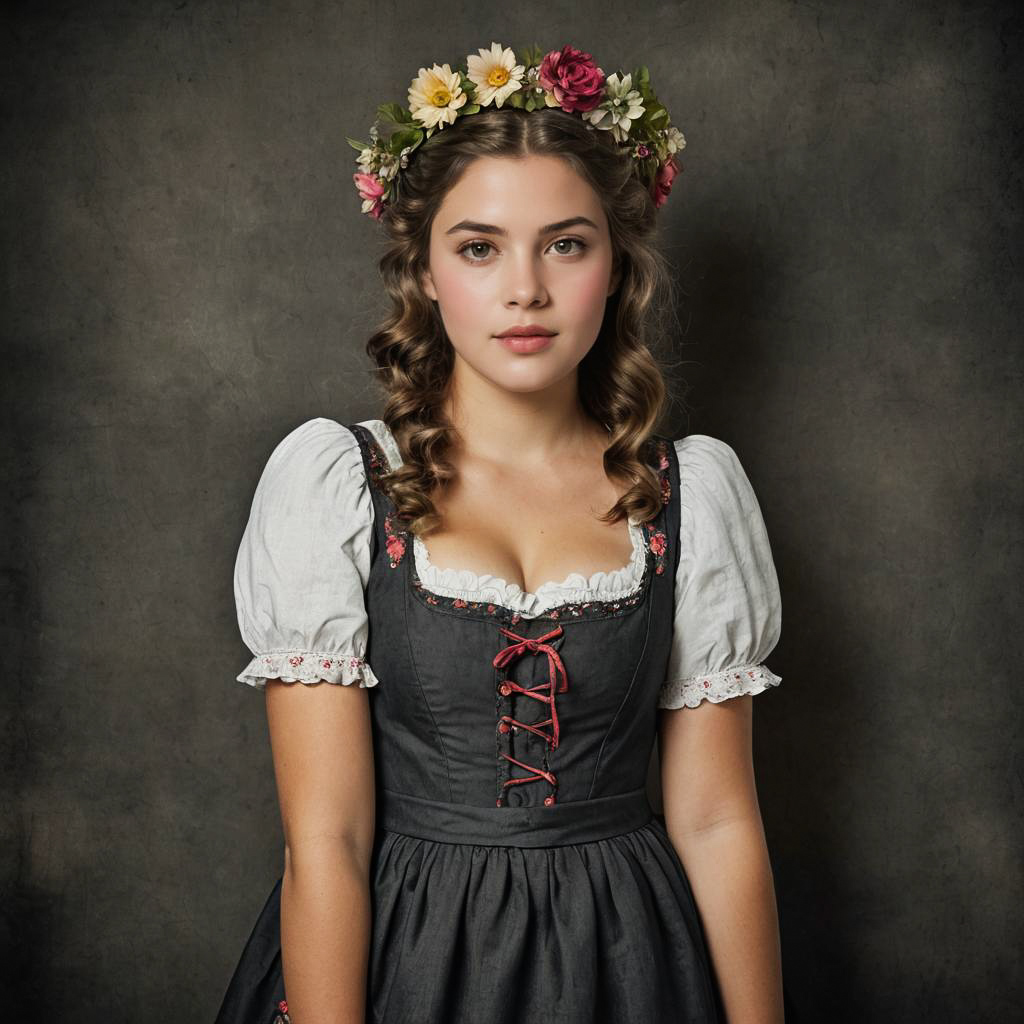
point(528, 584)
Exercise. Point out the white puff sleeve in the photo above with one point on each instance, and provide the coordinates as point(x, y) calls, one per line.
point(304, 560)
point(728, 608)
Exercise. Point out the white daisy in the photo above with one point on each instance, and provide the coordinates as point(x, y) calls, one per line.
point(436, 95)
point(495, 74)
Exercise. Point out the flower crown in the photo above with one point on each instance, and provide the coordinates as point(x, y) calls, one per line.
point(568, 79)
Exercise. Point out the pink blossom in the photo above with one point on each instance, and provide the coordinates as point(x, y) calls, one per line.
point(663, 181)
point(396, 548)
point(574, 78)
point(371, 187)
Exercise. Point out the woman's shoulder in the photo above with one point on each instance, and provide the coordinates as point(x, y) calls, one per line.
point(316, 435)
point(712, 478)
point(318, 460)
point(708, 457)
point(381, 433)
point(696, 448)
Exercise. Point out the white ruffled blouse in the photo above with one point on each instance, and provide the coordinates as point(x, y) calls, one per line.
point(304, 562)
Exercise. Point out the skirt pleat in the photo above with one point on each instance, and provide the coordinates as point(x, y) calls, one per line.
point(602, 932)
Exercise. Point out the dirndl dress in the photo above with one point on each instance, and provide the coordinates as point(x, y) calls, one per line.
point(519, 874)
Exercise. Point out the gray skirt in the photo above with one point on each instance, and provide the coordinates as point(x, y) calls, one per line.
point(575, 914)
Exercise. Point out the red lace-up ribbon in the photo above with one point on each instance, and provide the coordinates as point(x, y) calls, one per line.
point(557, 682)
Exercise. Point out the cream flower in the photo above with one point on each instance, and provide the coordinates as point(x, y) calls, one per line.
point(436, 95)
point(674, 139)
point(495, 74)
point(621, 106)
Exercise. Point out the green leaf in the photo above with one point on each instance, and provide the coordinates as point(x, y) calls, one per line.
point(356, 144)
point(530, 56)
point(404, 137)
point(469, 108)
point(394, 113)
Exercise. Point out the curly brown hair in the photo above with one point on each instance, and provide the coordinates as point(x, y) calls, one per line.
point(621, 380)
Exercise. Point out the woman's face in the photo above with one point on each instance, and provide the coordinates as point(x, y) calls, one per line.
point(520, 242)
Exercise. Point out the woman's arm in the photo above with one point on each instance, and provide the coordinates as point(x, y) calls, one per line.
point(323, 762)
point(714, 821)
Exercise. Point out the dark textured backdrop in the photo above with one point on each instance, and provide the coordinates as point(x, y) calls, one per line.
point(188, 276)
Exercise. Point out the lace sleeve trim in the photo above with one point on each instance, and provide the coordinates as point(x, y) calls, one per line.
point(308, 667)
point(717, 686)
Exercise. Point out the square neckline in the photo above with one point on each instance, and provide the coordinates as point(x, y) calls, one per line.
point(467, 584)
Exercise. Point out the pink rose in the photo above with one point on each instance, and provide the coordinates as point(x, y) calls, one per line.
point(658, 543)
point(574, 78)
point(371, 187)
point(663, 180)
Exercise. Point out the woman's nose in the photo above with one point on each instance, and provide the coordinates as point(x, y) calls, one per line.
point(525, 283)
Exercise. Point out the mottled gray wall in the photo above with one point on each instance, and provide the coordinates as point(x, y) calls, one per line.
point(187, 277)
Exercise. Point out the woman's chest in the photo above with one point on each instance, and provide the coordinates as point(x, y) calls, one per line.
point(529, 530)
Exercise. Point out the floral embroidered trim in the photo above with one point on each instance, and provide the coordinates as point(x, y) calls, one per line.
point(396, 542)
point(308, 667)
point(282, 1013)
point(567, 609)
point(717, 686)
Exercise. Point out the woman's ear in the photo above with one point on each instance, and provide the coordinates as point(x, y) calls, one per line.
point(616, 279)
point(427, 284)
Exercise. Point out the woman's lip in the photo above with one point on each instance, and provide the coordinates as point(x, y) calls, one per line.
point(525, 342)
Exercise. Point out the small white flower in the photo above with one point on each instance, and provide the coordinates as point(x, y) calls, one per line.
point(388, 166)
point(674, 140)
point(436, 95)
point(621, 106)
point(495, 74)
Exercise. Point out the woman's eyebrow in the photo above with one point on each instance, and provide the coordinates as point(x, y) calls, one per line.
point(493, 229)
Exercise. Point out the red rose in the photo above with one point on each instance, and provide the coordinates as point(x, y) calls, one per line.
point(663, 181)
point(574, 78)
point(658, 543)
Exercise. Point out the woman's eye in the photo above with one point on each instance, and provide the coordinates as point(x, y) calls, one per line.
point(572, 241)
point(475, 246)
point(471, 247)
